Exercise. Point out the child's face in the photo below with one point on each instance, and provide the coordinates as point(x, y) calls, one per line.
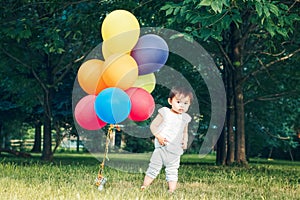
point(180, 104)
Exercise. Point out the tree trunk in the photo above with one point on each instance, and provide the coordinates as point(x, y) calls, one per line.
point(230, 118)
point(37, 146)
point(240, 126)
point(237, 49)
point(221, 148)
point(77, 143)
point(235, 150)
point(47, 153)
point(47, 142)
point(231, 137)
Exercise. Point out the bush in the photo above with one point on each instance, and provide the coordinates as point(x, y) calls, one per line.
point(138, 145)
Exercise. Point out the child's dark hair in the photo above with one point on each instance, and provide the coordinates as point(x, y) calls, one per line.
point(186, 92)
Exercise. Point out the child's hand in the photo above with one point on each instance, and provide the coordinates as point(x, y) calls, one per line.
point(161, 140)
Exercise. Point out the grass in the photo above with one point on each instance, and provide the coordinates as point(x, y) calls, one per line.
point(71, 176)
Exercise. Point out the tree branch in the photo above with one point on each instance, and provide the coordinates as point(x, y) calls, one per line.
point(67, 69)
point(276, 136)
point(274, 55)
point(270, 97)
point(27, 66)
point(225, 54)
point(68, 66)
point(265, 66)
point(296, 1)
point(283, 58)
point(266, 130)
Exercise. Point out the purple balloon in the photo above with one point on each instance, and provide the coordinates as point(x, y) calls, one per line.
point(151, 53)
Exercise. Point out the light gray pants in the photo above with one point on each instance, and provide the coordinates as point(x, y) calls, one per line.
point(161, 157)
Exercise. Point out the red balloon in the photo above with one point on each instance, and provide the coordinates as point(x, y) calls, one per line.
point(85, 114)
point(142, 104)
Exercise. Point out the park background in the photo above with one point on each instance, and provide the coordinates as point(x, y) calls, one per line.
point(255, 45)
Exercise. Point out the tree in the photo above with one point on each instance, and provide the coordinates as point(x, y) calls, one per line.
point(42, 42)
point(244, 36)
point(274, 128)
point(15, 104)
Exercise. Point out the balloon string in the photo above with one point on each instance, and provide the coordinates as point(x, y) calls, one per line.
point(110, 131)
point(101, 169)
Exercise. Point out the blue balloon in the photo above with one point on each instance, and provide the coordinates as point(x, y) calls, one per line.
point(151, 53)
point(112, 105)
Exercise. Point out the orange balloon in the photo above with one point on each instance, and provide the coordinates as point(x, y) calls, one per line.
point(89, 76)
point(121, 71)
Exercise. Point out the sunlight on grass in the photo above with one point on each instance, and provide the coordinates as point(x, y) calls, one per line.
point(72, 177)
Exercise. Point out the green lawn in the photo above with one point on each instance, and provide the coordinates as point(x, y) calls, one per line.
point(71, 176)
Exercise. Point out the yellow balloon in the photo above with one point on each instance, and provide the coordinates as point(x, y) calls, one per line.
point(120, 71)
point(89, 76)
point(106, 52)
point(147, 82)
point(120, 31)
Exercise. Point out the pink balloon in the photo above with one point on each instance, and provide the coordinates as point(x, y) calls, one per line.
point(85, 114)
point(142, 104)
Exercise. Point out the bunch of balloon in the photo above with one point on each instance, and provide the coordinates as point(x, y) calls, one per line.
point(120, 86)
point(120, 32)
point(105, 80)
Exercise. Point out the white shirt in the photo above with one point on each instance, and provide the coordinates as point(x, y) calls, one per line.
point(172, 129)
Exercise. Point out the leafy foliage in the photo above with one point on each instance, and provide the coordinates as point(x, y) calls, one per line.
point(264, 34)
